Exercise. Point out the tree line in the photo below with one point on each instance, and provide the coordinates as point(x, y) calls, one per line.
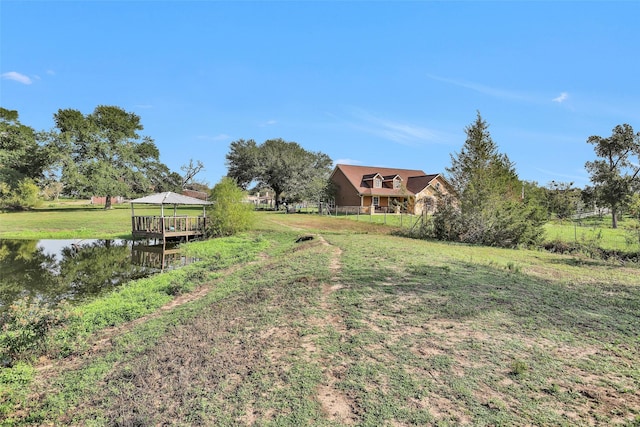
point(104, 153)
point(101, 153)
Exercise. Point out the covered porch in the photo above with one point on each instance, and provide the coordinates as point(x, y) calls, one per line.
point(172, 223)
point(386, 204)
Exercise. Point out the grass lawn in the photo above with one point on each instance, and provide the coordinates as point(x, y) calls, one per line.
point(392, 220)
point(69, 220)
point(597, 231)
point(358, 327)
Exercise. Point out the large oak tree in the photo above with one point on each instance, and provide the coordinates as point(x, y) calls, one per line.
point(105, 155)
point(283, 166)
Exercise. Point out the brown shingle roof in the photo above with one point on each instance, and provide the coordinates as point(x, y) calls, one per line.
point(415, 180)
point(416, 184)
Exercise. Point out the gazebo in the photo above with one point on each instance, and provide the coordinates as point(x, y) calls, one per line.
point(168, 226)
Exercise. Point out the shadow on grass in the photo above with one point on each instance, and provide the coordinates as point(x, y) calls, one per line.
point(581, 262)
point(71, 209)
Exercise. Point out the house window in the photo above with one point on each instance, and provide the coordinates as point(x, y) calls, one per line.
point(377, 182)
point(376, 201)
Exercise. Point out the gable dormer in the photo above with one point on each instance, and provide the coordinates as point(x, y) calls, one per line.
point(397, 183)
point(373, 180)
point(392, 181)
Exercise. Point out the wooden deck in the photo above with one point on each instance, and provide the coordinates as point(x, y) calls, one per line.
point(168, 227)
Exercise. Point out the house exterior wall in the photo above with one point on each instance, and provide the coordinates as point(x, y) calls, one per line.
point(420, 206)
point(346, 194)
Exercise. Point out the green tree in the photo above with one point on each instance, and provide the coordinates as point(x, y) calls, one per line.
point(634, 206)
point(563, 199)
point(229, 212)
point(242, 162)
point(615, 173)
point(283, 166)
point(491, 206)
point(25, 156)
point(105, 155)
point(161, 179)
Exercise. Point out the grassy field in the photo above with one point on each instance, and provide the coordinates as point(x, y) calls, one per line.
point(79, 219)
point(75, 220)
point(597, 231)
point(353, 327)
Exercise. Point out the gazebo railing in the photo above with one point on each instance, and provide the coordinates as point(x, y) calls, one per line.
point(168, 224)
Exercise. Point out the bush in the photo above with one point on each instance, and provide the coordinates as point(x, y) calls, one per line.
point(25, 328)
point(23, 196)
point(504, 223)
point(229, 213)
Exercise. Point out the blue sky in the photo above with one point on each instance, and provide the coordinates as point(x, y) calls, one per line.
point(373, 83)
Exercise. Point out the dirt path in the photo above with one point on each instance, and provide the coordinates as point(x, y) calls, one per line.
point(338, 406)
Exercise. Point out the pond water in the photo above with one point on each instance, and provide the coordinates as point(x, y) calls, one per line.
point(75, 270)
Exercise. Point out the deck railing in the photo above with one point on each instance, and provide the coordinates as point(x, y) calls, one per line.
point(168, 224)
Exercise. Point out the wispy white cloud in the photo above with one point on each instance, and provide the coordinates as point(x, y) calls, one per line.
point(15, 76)
point(561, 98)
point(216, 138)
point(398, 132)
point(347, 162)
point(51, 72)
point(480, 88)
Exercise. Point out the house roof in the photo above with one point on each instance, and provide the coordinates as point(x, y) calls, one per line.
point(169, 198)
point(416, 184)
point(414, 180)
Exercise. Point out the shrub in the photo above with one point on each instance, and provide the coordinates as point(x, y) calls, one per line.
point(25, 328)
point(229, 213)
point(13, 382)
point(23, 196)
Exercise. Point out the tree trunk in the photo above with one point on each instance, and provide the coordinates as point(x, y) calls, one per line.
point(107, 202)
point(277, 197)
point(614, 218)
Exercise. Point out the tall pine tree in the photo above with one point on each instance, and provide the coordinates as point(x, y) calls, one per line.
point(491, 207)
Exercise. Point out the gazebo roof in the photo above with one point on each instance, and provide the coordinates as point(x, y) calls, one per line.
point(169, 198)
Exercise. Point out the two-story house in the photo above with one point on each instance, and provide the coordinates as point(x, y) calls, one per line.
point(377, 189)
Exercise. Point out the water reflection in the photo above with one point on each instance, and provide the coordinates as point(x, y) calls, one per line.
point(158, 256)
point(74, 270)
